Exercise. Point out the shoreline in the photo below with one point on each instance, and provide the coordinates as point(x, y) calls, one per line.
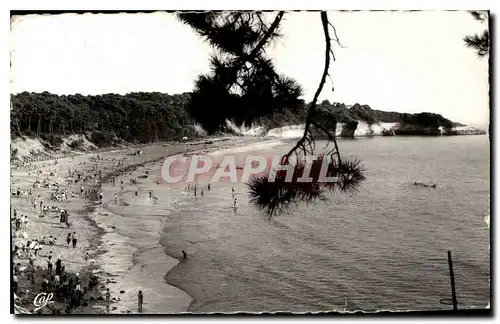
point(90, 235)
point(86, 207)
point(103, 224)
point(139, 167)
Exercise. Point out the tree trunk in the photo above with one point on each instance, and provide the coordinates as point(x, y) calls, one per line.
point(18, 128)
point(38, 128)
point(29, 124)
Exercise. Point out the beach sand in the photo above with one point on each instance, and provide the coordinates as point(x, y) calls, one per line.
point(102, 249)
point(79, 259)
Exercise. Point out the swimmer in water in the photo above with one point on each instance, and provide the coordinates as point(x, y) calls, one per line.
point(150, 194)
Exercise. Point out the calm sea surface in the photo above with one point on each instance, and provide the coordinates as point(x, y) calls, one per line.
point(384, 248)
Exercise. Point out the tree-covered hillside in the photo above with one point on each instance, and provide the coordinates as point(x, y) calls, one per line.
point(346, 114)
point(142, 117)
point(146, 117)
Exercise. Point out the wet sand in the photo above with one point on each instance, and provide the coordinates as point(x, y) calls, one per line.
point(132, 235)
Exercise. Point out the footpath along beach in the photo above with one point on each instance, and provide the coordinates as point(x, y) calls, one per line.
point(97, 261)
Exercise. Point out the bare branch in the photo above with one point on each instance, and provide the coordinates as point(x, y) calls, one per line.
point(331, 137)
point(309, 120)
point(337, 40)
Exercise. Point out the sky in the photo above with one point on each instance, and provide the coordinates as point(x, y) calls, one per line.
point(392, 61)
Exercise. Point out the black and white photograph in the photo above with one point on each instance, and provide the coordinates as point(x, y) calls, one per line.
point(250, 162)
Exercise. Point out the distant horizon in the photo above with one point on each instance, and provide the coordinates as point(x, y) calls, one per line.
point(407, 62)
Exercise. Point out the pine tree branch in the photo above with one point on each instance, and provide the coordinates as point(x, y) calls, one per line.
point(242, 60)
point(266, 37)
point(479, 43)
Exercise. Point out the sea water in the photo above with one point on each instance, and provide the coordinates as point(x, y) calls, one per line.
point(384, 248)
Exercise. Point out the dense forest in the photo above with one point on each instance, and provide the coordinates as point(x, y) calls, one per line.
point(146, 117)
point(135, 117)
point(332, 113)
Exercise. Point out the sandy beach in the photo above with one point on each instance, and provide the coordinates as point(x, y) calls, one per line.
point(75, 260)
point(100, 251)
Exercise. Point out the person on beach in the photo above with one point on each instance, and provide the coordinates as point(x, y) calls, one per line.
point(45, 284)
point(31, 275)
point(150, 194)
point(208, 187)
point(41, 206)
point(25, 221)
point(184, 255)
point(14, 283)
point(49, 266)
point(108, 296)
point(58, 266)
point(201, 193)
point(74, 240)
point(68, 238)
point(136, 192)
point(100, 197)
point(195, 191)
point(115, 198)
point(81, 190)
point(140, 299)
point(18, 223)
